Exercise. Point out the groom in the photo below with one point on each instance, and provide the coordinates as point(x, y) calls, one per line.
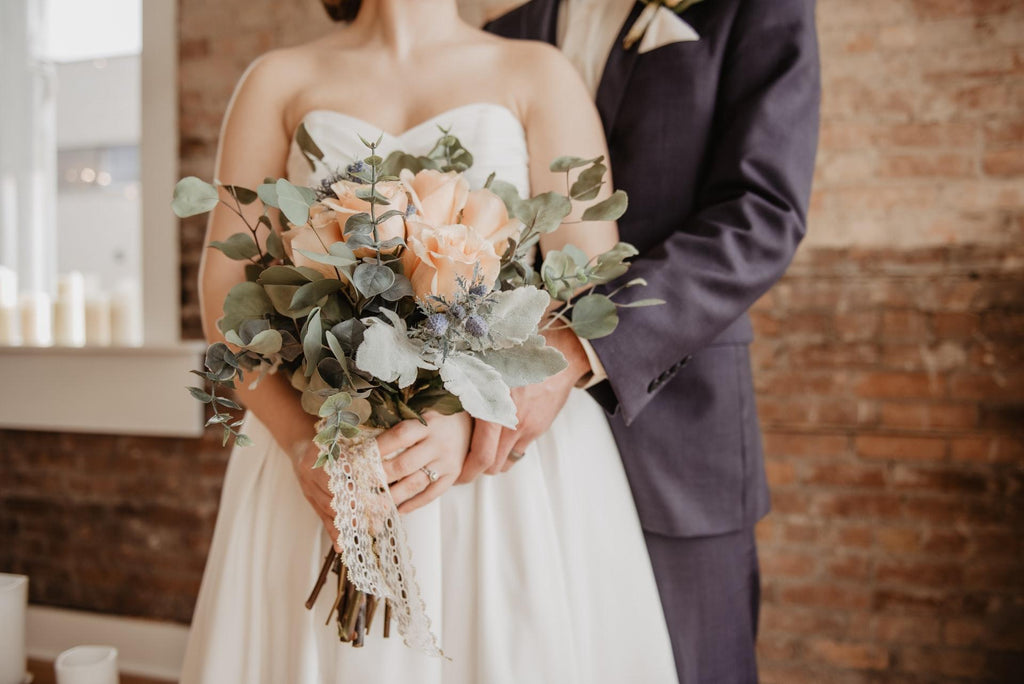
point(711, 115)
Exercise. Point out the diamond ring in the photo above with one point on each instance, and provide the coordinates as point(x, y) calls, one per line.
point(431, 474)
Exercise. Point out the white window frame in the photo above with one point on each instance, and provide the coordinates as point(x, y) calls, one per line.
point(126, 390)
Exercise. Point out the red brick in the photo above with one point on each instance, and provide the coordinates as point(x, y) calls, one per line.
point(939, 480)
point(857, 656)
point(908, 629)
point(896, 385)
point(929, 416)
point(844, 474)
point(787, 564)
point(930, 165)
point(1004, 163)
point(965, 631)
point(826, 595)
point(954, 325)
point(856, 505)
point(919, 573)
point(996, 386)
point(855, 536)
point(893, 447)
point(988, 449)
point(899, 540)
point(849, 568)
point(944, 661)
point(805, 444)
point(780, 472)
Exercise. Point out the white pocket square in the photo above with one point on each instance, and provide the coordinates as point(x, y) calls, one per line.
point(665, 28)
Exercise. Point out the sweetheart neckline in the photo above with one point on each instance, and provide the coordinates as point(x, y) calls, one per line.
point(422, 124)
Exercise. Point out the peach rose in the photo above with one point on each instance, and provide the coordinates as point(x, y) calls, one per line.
point(486, 213)
point(437, 196)
point(347, 204)
point(448, 253)
point(322, 229)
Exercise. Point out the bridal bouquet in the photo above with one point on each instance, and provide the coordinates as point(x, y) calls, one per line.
point(391, 289)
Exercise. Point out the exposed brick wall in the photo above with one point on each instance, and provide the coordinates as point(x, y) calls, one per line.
point(888, 366)
point(891, 392)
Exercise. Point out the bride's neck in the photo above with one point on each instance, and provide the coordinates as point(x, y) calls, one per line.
point(402, 25)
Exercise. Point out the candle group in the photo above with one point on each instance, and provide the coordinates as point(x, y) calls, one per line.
point(81, 315)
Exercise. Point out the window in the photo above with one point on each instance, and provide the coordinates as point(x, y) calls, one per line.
point(88, 246)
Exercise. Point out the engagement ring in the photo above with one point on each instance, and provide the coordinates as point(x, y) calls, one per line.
point(431, 474)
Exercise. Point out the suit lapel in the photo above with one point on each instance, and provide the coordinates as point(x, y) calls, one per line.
point(616, 73)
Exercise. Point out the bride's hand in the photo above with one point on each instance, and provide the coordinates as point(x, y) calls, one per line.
point(440, 447)
point(313, 482)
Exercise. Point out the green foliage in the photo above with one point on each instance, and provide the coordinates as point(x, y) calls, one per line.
point(240, 247)
point(609, 209)
point(294, 201)
point(310, 150)
point(479, 388)
point(594, 316)
point(372, 279)
point(244, 301)
point(193, 196)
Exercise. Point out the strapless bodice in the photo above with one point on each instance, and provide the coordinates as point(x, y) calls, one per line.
point(492, 133)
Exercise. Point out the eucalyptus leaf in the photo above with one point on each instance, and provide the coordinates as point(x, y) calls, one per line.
point(335, 403)
point(641, 303)
point(509, 194)
point(281, 296)
point(609, 209)
point(239, 247)
point(294, 203)
point(275, 246)
point(563, 164)
point(401, 288)
point(243, 440)
point(311, 293)
point(267, 192)
point(244, 301)
point(349, 334)
point(480, 389)
point(286, 275)
point(266, 343)
point(372, 279)
point(309, 148)
point(243, 195)
point(341, 261)
point(589, 183)
point(545, 212)
point(359, 223)
point(193, 196)
point(312, 341)
point(594, 316)
point(200, 394)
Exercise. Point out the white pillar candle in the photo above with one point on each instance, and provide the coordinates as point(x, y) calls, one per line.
point(126, 315)
point(36, 319)
point(87, 665)
point(69, 310)
point(97, 320)
point(10, 328)
point(13, 603)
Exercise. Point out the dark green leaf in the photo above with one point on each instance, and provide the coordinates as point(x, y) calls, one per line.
point(244, 301)
point(359, 223)
point(311, 293)
point(239, 247)
point(563, 164)
point(589, 183)
point(610, 209)
point(275, 247)
point(243, 195)
point(200, 395)
point(309, 148)
point(372, 280)
point(224, 401)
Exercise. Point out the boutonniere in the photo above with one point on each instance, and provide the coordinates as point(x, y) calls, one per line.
point(650, 13)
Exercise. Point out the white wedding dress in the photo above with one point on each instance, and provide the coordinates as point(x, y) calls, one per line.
point(536, 576)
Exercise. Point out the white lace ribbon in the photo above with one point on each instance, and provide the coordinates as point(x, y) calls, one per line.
point(373, 542)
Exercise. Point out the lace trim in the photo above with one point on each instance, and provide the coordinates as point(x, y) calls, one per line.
point(374, 546)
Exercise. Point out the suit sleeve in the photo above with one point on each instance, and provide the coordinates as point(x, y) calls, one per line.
point(750, 211)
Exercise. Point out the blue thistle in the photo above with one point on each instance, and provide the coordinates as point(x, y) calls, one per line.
point(437, 324)
point(457, 311)
point(479, 290)
point(476, 325)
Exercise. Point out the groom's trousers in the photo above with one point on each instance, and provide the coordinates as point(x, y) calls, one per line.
point(710, 592)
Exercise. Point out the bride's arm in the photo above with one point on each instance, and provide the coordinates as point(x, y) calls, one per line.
point(561, 120)
point(254, 145)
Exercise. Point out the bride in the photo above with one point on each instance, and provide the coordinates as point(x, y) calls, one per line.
point(539, 574)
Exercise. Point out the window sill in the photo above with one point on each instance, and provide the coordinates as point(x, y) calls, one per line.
point(108, 390)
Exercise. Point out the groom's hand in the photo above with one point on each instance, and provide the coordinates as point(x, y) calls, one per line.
point(536, 408)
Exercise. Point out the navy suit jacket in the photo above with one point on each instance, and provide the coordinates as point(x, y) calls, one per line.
point(715, 142)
